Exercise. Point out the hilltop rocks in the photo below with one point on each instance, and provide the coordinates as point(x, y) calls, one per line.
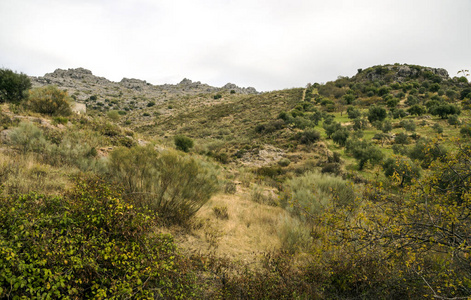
point(406, 71)
point(402, 72)
point(132, 83)
point(69, 78)
point(239, 90)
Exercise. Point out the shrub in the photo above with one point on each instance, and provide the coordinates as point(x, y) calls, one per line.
point(284, 162)
point(13, 86)
point(217, 96)
point(230, 188)
point(312, 193)
point(398, 113)
point(401, 138)
point(454, 120)
point(294, 235)
point(49, 100)
point(408, 125)
point(60, 120)
point(466, 131)
point(437, 128)
point(340, 136)
point(221, 212)
point(309, 136)
point(183, 143)
point(113, 115)
point(90, 243)
point(28, 137)
point(175, 186)
point(332, 168)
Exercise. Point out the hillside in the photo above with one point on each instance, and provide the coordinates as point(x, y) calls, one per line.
point(356, 188)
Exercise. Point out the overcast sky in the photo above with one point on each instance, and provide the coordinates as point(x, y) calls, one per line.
point(267, 44)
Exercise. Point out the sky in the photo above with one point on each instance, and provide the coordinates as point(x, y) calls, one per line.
point(266, 44)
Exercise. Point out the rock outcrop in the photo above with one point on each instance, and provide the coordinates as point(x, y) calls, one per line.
point(402, 72)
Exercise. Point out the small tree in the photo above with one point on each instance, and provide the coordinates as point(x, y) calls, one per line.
point(376, 113)
point(408, 125)
point(417, 110)
point(363, 152)
point(340, 136)
point(444, 110)
point(331, 128)
point(13, 86)
point(49, 100)
point(353, 113)
point(401, 168)
point(183, 143)
point(309, 136)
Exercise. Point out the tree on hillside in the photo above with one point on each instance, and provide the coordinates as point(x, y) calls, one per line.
point(417, 110)
point(376, 113)
point(444, 110)
point(363, 152)
point(401, 168)
point(13, 86)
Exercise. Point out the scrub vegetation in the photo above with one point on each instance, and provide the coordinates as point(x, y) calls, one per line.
point(358, 188)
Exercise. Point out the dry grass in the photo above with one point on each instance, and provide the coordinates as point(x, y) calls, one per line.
point(251, 228)
point(21, 174)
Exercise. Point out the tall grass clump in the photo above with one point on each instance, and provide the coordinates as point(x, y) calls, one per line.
point(64, 149)
point(174, 185)
point(312, 193)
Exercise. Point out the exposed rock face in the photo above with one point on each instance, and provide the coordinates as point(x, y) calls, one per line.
point(406, 71)
point(132, 83)
point(239, 90)
point(401, 72)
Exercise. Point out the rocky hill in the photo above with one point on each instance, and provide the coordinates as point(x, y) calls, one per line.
point(83, 86)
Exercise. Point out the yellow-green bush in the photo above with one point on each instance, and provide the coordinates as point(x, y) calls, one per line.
point(174, 185)
point(49, 100)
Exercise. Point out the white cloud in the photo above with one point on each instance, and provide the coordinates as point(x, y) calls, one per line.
point(266, 44)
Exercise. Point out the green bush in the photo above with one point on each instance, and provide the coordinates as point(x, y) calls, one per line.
point(27, 137)
point(13, 86)
point(175, 186)
point(376, 113)
point(309, 136)
point(401, 138)
point(49, 100)
point(312, 193)
point(90, 243)
point(183, 143)
point(363, 152)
